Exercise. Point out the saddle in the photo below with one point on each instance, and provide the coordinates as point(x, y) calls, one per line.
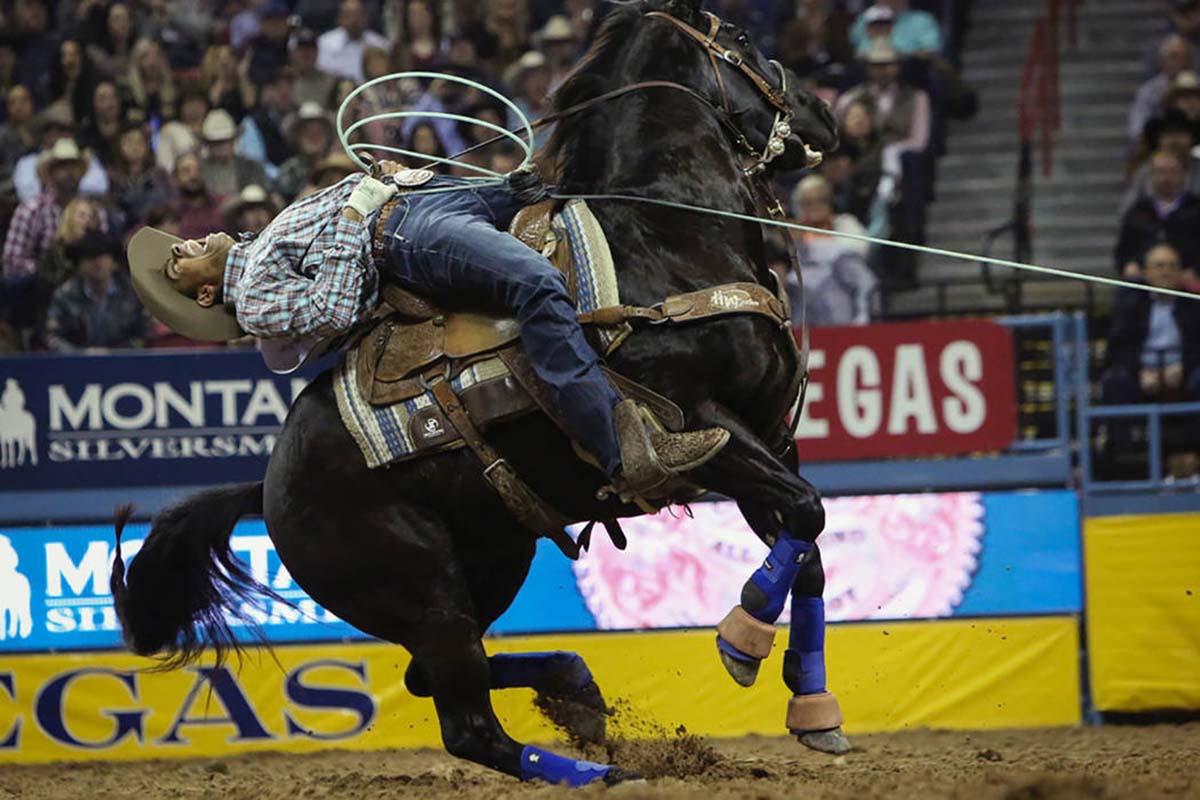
point(457, 373)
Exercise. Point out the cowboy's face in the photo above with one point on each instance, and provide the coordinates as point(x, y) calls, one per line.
point(64, 177)
point(197, 267)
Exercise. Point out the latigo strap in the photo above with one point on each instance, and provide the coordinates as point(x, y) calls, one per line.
point(530, 509)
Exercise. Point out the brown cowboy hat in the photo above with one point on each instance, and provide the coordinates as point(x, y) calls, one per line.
point(149, 250)
point(337, 162)
point(252, 195)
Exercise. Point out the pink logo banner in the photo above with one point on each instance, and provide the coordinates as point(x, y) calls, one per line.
point(885, 557)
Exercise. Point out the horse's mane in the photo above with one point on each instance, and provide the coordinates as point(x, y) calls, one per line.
point(591, 77)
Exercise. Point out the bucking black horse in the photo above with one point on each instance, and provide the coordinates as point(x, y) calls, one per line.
point(425, 554)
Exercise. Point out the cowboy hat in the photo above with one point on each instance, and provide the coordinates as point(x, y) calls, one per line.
point(310, 111)
point(63, 150)
point(557, 29)
point(1184, 83)
point(55, 115)
point(337, 162)
point(149, 250)
point(252, 195)
point(218, 126)
point(532, 60)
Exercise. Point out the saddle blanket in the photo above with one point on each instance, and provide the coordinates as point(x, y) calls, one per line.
point(383, 433)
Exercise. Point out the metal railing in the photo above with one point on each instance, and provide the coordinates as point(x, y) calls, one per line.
point(1087, 413)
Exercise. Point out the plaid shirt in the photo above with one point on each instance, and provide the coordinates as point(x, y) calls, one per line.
point(32, 232)
point(310, 273)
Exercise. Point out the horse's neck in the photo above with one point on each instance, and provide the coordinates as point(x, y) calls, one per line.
point(688, 162)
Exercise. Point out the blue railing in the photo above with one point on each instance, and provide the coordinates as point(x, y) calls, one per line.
point(1152, 413)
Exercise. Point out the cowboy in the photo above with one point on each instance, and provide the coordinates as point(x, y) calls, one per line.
point(35, 221)
point(312, 273)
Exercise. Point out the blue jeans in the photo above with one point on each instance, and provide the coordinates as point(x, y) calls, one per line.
point(452, 248)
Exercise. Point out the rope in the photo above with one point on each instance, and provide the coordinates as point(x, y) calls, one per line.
point(527, 144)
point(937, 251)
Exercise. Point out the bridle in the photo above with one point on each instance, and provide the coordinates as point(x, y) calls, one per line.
point(781, 128)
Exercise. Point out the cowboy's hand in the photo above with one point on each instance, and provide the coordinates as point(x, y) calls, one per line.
point(370, 195)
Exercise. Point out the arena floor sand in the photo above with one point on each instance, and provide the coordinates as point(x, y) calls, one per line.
point(1112, 762)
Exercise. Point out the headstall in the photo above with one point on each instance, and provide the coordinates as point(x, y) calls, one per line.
point(781, 128)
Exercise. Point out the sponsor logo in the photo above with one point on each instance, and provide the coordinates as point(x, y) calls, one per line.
point(165, 420)
point(100, 706)
point(732, 299)
point(18, 429)
point(63, 599)
point(433, 428)
point(892, 557)
point(16, 615)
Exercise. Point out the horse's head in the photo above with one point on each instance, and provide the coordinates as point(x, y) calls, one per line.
point(777, 122)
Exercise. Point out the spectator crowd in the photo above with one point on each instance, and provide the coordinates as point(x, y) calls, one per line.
point(1153, 349)
point(203, 115)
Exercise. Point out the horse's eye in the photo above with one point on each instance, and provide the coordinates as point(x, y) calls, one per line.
point(743, 40)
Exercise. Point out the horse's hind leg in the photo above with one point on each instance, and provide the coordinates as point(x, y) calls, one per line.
point(566, 691)
point(786, 511)
point(495, 567)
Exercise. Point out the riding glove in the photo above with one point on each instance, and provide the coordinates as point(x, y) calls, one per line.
point(370, 195)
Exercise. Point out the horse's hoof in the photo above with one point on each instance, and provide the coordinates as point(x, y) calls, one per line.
point(616, 776)
point(744, 672)
point(831, 741)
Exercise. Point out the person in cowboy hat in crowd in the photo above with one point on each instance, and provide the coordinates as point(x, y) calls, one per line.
point(36, 220)
point(560, 44)
point(56, 123)
point(250, 212)
point(1184, 94)
point(312, 273)
point(310, 137)
point(901, 112)
point(225, 172)
point(328, 171)
point(529, 79)
point(96, 309)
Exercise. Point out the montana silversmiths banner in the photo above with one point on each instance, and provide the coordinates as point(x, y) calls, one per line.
point(886, 557)
point(139, 419)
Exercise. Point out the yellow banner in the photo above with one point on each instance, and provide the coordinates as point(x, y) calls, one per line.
point(958, 673)
point(1143, 603)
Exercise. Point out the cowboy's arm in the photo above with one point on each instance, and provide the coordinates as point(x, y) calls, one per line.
point(19, 245)
point(275, 301)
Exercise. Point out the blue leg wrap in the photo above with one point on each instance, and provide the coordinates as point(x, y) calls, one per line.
point(558, 671)
point(539, 764)
point(767, 590)
point(804, 661)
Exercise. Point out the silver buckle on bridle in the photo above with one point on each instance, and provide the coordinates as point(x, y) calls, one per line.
point(781, 129)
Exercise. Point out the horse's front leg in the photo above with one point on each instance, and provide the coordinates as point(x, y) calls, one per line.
point(785, 509)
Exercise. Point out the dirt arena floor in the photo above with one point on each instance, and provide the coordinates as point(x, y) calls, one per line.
point(1111, 762)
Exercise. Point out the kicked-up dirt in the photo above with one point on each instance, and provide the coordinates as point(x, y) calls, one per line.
point(1161, 761)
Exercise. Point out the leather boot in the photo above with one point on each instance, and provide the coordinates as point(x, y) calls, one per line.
point(650, 456)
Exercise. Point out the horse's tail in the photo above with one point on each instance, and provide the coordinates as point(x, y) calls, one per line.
point(186, 577)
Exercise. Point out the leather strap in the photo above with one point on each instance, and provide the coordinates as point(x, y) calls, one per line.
point(530, 510)
point(714, 48)
point(703, 304)
point(798, 387)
